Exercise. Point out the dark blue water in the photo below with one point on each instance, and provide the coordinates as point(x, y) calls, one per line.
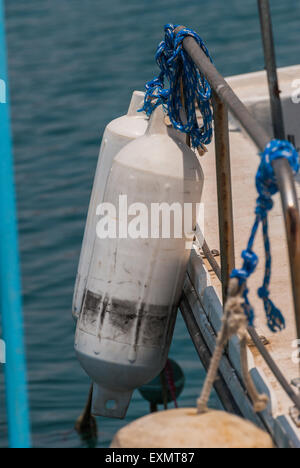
point(73, 65)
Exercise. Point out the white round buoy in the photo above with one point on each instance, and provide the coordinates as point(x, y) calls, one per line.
point(184, 428)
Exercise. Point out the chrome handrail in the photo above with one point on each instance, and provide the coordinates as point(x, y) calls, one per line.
point(227, 99)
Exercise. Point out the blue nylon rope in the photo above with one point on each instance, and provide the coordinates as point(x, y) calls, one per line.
point(267, 187)
point(176, 65)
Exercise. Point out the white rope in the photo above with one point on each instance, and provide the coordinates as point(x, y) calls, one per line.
point(234, 323)
point(260, 401)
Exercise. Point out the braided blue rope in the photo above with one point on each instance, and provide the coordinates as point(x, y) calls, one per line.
point(267, 187)
point(176, 65)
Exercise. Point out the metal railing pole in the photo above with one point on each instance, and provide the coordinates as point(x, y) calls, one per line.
point(288, 192)
point(271, 67)
point(261, 139)
point(10, 288)
point(226, 94)
point(225, 208)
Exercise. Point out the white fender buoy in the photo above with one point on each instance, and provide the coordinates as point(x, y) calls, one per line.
point(184, 428)
point(118, 133)
point(135, 281)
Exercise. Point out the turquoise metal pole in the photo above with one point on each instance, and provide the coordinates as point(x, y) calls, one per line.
point(10, 287)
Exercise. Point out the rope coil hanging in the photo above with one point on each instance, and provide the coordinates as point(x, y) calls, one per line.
point(183, 76)
point(267, 187)
point(238, 310)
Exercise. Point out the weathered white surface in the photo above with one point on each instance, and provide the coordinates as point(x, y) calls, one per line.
point(253, 90)
point(118, 134)
point(134, 284)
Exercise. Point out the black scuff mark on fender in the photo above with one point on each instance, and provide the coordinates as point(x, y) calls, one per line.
point(103, 312)
point(82, 302)
point(140, 316)
point(122, 315)
point(104, 309)
point(90, 311)
point(154, 326)
point(139, 325)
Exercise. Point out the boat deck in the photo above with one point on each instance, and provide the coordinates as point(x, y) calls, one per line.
point(252, 89)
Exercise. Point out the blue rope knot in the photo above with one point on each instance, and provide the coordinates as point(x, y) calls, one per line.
point(250, 261)
point(249, 266)
point(264, 204)
point(177, 67)
point(263, 293)
point(240, 274)
point(277, 149)
point(267, 187)
point(266, 182)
